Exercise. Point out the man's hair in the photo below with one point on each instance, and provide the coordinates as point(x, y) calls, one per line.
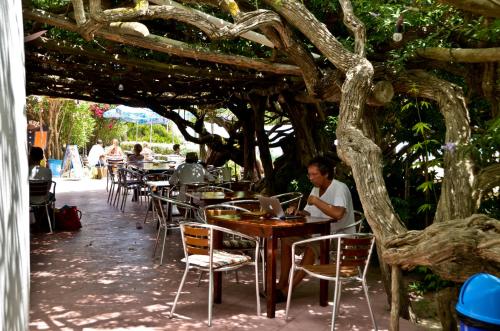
point(324, 164)
point(99, 141)
point(191, 157)
point(36, 154)
point(138, 148)
point(176, 147)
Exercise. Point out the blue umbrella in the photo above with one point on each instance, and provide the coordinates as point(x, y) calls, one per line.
point(136, 115)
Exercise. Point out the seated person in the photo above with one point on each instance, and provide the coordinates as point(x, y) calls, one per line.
point(114, 151)
point(147, 152)
point(137, 156)
point(35, 170)
point(96, 155)
point(190, 172)
point(329, 198)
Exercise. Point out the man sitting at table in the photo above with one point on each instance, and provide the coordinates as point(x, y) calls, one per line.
point(190, 172)
point(329, 198)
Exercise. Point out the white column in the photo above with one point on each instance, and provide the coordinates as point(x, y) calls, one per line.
point(14, 200)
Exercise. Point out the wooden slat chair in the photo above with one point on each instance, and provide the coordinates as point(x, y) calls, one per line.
point(162, 208)
point(42, 194)
point(353, 252)
point(197, 240)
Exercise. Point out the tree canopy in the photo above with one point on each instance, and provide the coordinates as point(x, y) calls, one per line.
point(402, 86)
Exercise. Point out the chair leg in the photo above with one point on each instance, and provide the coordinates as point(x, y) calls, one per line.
point(257, 296)
point(210, 296)
point(290, 289)
point(263, 261)
point(163, 244)
point(365, 288)
point(179, 290)
point(117, 194)
point(48, 218)
point(336, 299)
point(150, 205)
point(157, 239)
point(199, 278)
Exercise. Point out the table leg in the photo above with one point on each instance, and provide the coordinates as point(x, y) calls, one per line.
point(217, 275)
point(271, 244)
point(324, 259)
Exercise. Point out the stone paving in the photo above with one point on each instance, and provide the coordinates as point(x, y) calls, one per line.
point(105, 278)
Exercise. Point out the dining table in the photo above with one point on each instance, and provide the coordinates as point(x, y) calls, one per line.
point(270, 229)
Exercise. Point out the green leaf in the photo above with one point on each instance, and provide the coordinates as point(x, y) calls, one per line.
point(426, 186)
point(421, 127)
point(424, 208)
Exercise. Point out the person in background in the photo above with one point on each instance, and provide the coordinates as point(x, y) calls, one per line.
point(36, 171)
point(329, 198)
point(96, 155)
point(115, 151)
point(137, 156)
point(177, 149)
point(147, 152)
point(190, 172)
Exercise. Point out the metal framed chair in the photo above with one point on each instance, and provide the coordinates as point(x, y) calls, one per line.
point(127, 180)
point(353, 252)
point(289, 199)
point(42, 194)
point(162, 208)
point(197, 240)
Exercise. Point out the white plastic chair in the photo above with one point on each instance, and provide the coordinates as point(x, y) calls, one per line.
point(353, 252)
point(197, 240)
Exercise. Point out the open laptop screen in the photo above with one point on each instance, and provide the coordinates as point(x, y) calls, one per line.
point(273, 206)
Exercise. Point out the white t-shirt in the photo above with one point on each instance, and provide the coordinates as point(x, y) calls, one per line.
point(337, 194)
point(37, 172)
point(95, 153)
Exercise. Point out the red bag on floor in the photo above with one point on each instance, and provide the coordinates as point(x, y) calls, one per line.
point(68, 218)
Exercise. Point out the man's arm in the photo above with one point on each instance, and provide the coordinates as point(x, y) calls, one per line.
point(335, 212)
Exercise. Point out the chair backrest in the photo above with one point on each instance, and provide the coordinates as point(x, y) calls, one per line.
point(289, 199)
point(39, 187)
point(252, 205)
point(360, 221)
point(196, 239)
point(354, 251)
point(193, 210)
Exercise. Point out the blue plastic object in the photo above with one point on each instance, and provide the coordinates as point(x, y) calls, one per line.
point(479, 303)
point(55, 166)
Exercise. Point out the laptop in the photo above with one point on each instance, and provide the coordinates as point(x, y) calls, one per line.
point(273, 206)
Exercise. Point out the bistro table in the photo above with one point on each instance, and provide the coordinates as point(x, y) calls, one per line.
point(207, 198)
point(271, 229)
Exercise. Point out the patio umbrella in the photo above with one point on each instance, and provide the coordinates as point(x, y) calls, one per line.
point(137, 116)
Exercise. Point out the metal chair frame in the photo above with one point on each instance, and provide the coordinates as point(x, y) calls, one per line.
point(197, 239)
point(162, 208)
point(353, 252)
point(43, 188)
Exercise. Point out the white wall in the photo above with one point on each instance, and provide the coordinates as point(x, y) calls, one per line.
point(14, 200)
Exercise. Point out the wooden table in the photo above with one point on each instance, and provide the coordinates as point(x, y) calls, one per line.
point(271, 229)
point(211, 198)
